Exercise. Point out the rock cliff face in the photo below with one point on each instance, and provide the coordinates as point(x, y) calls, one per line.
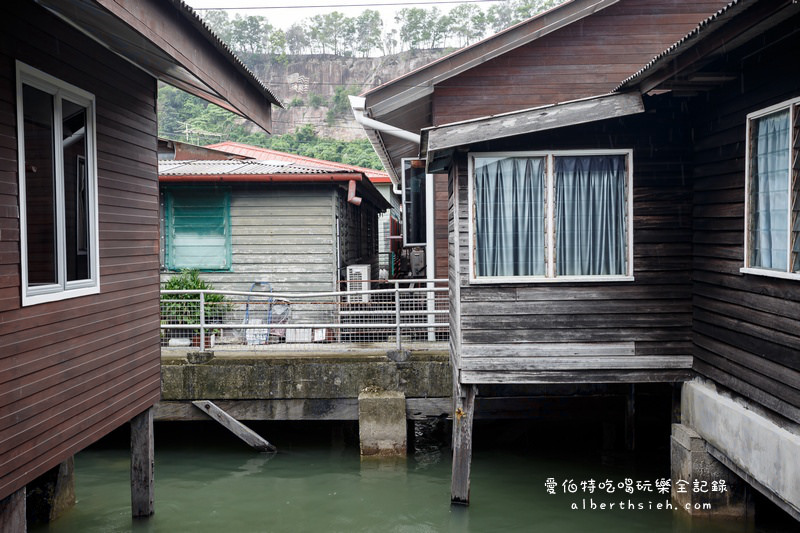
point(306, 84)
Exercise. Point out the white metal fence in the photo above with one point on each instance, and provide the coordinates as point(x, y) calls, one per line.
point(397, 314)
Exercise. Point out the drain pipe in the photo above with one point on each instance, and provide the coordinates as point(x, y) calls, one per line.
point(358, 104)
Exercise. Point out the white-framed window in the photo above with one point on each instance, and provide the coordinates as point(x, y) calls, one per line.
point(551, 216)
point(772, 192)
point(57, 188)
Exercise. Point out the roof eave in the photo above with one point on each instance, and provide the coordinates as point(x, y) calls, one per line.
point(722, 31)
point(602, 107)
point(170, 42)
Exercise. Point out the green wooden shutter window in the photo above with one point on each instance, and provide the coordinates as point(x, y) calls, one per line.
point(198, 223)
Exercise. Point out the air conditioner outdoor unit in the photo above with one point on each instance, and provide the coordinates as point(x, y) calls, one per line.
point(358, 280)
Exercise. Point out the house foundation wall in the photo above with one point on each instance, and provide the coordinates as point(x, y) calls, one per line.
point(757, 448)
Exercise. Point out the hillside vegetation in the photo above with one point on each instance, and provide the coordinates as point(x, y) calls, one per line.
point(313, 66)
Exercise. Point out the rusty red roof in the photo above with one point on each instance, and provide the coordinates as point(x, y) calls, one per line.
point(256, 152)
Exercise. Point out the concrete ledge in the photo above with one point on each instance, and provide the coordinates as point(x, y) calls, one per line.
point(754, 445)
point(282, 376)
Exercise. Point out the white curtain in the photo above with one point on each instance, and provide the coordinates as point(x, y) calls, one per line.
point(590, 215)
point(769, 191)
point(509, 218)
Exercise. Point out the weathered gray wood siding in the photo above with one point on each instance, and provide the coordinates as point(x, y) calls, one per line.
point(599, 332)
point(281, 234)
point(746, 328)
point(72, 371)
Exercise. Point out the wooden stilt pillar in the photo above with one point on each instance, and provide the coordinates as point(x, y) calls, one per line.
point(630, 419)
point(142, 460)
point(676, 402)
point(12, 513)
point(462, 443)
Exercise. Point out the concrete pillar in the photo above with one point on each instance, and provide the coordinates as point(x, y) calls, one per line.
point(382, 423)
point(51, 494)
point(142, 465)
point(12, 513)
point(701, 485)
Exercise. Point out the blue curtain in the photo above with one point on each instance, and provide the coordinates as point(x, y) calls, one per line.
point(509, 217)
point(769, 191)
point(590, 216)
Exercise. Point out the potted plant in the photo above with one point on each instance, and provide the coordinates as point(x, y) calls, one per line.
point(184, 309)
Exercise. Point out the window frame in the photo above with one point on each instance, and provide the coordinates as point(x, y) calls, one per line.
point(789, 105)
point(549, 224)
point(425, 206)
point(168, 262)
point(60, 90)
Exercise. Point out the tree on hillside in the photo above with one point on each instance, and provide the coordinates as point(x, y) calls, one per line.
point(331, 33)
point(220, 24)
point(467, 23)
point(297, 39)
point(501, 16)
point(368, 31)
point(438, 27)
point(414, 29)
point(249, 34)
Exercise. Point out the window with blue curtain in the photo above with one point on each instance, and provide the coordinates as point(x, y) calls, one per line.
point(550, 216)
point(197, 227)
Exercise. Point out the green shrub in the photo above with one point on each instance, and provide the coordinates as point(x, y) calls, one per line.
point(185, 308)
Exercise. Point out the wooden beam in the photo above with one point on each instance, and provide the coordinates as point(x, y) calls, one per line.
point(533, 120)
point(462, 443)
point(142, 465)
point(577, 376)
point(12, 512)
point(249, 436)
point(296, 409)
point(557, 363)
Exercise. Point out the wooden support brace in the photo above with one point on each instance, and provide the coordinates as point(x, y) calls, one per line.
point(142, 465)
point(462, 443)
point(249, 436)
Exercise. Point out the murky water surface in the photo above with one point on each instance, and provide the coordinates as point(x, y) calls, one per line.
point(321, 486)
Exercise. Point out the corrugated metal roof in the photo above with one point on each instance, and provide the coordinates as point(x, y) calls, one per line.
point(689, 39)
point(243, 168)
point(256, 152)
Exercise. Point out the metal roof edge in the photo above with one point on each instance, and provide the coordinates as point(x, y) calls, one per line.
point(723, 14)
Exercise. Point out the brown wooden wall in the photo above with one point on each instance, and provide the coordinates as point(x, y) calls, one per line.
point(440, 225)
point(746, 328)
point(509, 326)
point(72, 371)
point(586, 58)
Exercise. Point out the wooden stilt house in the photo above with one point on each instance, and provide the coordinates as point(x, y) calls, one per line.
point(79, 301)
point(539, 295)
point(667, 248)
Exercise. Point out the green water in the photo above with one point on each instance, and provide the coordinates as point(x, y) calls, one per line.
point(321, 485)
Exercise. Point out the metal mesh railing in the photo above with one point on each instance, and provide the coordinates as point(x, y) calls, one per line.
point(395, 314)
